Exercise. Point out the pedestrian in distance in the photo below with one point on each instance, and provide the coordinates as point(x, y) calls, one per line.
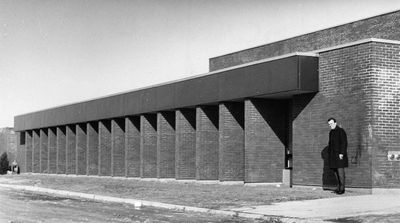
point(14, 167)
point(337, 152)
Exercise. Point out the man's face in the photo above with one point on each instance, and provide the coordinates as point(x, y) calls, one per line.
point(332, 124)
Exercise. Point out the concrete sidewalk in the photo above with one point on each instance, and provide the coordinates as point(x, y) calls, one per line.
point(318, 210)
point(331, 208)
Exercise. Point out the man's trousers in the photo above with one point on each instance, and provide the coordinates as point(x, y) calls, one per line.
point(340, 176)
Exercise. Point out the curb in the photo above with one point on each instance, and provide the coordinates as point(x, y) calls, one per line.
point(138, 203)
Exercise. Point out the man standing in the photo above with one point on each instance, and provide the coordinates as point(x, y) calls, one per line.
point(337, 150)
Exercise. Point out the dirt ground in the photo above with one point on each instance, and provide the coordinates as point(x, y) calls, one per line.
point(210, 195)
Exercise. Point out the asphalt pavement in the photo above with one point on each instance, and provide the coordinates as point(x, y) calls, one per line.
point(380, 203)
point(21, 206)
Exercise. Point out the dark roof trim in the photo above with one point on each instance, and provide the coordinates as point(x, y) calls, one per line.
point(296, 73)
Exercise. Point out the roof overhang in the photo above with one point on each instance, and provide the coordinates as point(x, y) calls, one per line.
point(279, 77)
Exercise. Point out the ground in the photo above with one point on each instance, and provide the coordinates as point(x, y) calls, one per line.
point(211, 195)
point(19, 206)
point(192, 193)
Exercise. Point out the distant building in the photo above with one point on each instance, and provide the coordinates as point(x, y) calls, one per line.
point(8, 143)
point(259, 115)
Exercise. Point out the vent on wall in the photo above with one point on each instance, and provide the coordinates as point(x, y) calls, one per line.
point(393, 156)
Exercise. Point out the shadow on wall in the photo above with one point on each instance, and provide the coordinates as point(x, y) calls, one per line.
point(275, 113)
point(237, 111)
point(328, 177)
point(311, 112)
point(301, 103)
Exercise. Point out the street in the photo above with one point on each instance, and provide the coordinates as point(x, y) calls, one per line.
point(21, 206)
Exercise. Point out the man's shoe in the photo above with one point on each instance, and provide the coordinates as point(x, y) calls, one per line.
point(340, 192)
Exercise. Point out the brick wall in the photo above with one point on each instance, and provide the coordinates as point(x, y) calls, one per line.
point(118, 147)
point(384, 26)
point(71, 149)
point(92, 129)
point(148, 146)
point(345, 77)
point(231, 141)
point(207, 142)
point(132, 146)
point(36, 151)
point(105, 148)
point(81, 145)
point(44, 153)
point(185, 144)
point(265, 140)
point(166, 144)
point(29, 151)
point(385, 125)
point(52, 150)
point(61, 149)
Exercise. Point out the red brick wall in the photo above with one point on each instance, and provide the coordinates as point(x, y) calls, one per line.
point(385, 124)
point(207, 141)
point(132, 146)
point(105, 148)
point(185, 153)
point(92, 148)
point(231, 141)
point(345, 77)
point(61, 149)
point(148, 146)
point(384, 26)
point(118, 147)
point(166, 144)
point(265, 140)
point(71, 149)
point(52, 150)
point(81, 148)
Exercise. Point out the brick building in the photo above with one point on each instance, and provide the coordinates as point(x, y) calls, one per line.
point(257, 115)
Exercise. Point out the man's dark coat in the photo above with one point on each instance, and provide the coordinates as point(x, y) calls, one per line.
point(337, 145)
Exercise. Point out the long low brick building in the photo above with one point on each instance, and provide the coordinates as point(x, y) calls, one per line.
point(259, 115)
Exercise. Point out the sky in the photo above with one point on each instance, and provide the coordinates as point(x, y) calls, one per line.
point(56, 52)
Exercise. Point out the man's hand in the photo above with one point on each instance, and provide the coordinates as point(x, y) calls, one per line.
point(341, 156)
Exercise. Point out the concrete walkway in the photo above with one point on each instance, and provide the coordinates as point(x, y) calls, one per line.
point(331, 208)
point(290, 212)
